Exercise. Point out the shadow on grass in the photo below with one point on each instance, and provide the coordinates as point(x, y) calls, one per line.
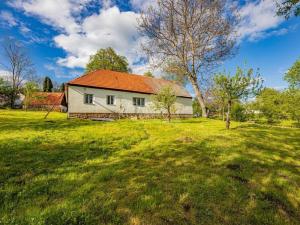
point(186, 181)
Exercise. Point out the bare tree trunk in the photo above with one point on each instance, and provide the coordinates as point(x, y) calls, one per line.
point(228, 115)
point(12, 99)
point(199, 97)
point(223, 113)
point(169, 114)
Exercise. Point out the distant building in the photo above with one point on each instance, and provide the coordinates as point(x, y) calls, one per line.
point(5, 101)
point(48, 100)
point(110, 94)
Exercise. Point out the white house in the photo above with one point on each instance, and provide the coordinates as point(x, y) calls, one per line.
point(110, 94)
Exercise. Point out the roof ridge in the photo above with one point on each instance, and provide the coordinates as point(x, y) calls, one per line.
point(133, 74)
point(127, 81)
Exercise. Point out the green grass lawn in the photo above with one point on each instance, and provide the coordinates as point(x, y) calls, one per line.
point(60, 171)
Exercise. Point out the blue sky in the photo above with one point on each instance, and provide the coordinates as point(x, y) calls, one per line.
point(61, 34)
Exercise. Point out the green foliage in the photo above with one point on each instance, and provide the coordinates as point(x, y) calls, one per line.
point(197, 111)
point(164, 101)
point(240, 86)
point(292, 103)
point(5, 92)
point(288, 7)
point(234, 88)
point(293, 75)
point(29, 89)
point(47, 85)
point(5, 88)
point(148, 74)
point(238, 112)
point(60, 171)
point(270, 103)
point(107, 59)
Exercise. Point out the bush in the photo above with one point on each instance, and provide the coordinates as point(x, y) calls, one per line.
point(238, 112)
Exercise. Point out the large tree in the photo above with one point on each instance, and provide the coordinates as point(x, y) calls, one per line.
point(19, 66)
point(47, 85)
point(107, 59)
point(288, 7)
point(191, 35)
point(293, 75)
point(234, 88)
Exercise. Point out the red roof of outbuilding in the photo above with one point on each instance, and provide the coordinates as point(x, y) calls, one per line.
point(107, 79)
point(47, 98)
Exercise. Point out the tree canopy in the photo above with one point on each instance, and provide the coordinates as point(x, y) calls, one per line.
point(288, 7)
point(293, 75)
point(107, 59)
point(270, 104)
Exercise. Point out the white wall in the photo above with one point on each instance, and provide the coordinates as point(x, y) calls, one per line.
point(123, 102)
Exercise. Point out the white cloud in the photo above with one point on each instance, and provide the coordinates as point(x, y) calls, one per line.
point(24, 29)
point(82, 37)
point(7, 17)
point(109, 28)
point(57, 13)
point(257, 19)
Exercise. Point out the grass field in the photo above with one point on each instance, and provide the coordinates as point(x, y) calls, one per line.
point(60, 171)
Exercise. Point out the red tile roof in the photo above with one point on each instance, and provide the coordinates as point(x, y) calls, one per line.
point(47, 98)
point(107, 79)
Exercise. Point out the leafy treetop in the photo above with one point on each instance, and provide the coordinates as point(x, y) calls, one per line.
point(165, 101)
point(148, 74)
point(240, 86)
point(293, 75)
point(107, 59)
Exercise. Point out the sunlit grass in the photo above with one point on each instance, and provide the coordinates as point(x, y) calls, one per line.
point(60, 171)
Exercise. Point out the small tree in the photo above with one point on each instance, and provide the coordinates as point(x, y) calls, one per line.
point(148, 74)
point(240, 86)
point(107, 59)
point(29, 89)
point(196, 108)
point(165, 101)
point(47, 85)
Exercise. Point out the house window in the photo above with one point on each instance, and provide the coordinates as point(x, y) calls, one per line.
point(110, 100)
point(88, 99)
point(139, 102)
